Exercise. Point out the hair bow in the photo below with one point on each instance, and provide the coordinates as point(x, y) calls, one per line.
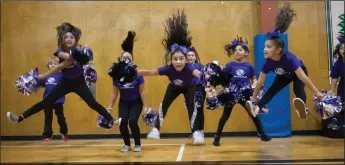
point(181, 47)
point(273, 33)
point(238, 41)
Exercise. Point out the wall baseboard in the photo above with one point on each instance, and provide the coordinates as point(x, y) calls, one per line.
point(163, 135)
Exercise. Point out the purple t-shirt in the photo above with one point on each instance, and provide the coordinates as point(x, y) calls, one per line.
point(338, 71)
point(178, 79)
point(72, 71)
point(287, 65)
point(199, 67)
point(49, 83)
point(130, 91)
point(243, 72)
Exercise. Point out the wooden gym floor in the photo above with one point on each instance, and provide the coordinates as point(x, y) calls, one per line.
point(294, 150)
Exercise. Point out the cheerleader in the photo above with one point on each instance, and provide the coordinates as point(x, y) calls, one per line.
point(180, 74)
point(287, 66)
point(337, 72)
point(49, 84)
point(194, 59)
point(132, 99)
point(243, 74)
point(72, 77)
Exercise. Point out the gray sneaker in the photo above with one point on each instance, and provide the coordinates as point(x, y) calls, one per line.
point(125, 148)
point(12, 117)
point(137, 148)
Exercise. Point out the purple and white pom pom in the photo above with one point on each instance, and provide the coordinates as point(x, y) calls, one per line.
point(328, 106)
point(246, 92)
point(213, 74)
point(90, 75)
point(212, 103)
point(104, 123)
point(229, 96)
point(150, 117)
point(261, 92)
point(27, 83)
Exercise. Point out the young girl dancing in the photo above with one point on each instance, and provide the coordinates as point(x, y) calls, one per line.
point(243, 74)
point(287, 66)
point(337, 72)
point(132, 99)
point(49, 83)
point(194, 59)
point(179, 73)
point(72, 77)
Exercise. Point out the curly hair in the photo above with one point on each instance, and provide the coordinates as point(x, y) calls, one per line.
point(230, 48)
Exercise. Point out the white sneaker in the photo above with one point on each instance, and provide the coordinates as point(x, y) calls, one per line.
point(153, 134)
point(198, 137)
point(251, 108)
point(300, 107)
point(117, 122)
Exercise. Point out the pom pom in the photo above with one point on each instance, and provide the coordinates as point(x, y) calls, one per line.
point(328, 106)
point(104, 123)
point(82, 54)
point(123, 71)
point(212, 73)
point(90, 75)
point(198, 99)
point(27, 83)
point(212, 103)
point(228, 96)
point(247, 92)
point(150, 117)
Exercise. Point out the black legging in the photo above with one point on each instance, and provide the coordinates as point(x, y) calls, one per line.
point(65, 86)
point(48, 119)
point(171, 94)
point(226, 115)
point(200, 88)
point(130, 112)
point(280, 82)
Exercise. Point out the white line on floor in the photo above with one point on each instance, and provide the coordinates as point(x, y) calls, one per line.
point(180, 153)
point(78, 145)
